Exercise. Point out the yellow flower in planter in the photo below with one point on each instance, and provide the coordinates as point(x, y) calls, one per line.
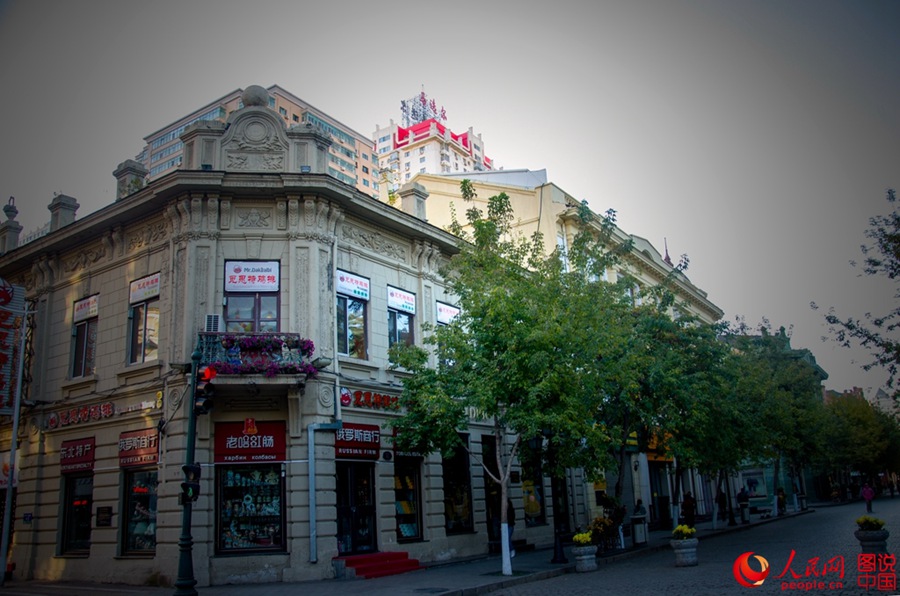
point(683, 532)
point(869, 523)
point(583, 539)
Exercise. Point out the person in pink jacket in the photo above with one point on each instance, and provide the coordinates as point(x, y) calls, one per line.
point(867, 493)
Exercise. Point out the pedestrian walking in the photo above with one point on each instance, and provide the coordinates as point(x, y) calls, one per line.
point(867, 493)
point(722, 504)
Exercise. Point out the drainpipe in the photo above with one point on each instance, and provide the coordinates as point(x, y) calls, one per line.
point(311, 438)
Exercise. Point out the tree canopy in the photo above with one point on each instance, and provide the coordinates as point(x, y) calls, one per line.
point(876, 331)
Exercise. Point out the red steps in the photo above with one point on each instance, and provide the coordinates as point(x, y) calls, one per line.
point(375, 565)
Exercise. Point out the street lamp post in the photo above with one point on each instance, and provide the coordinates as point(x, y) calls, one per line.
point(184, 584)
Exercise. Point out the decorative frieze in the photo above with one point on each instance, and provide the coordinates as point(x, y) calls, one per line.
point(374, 241)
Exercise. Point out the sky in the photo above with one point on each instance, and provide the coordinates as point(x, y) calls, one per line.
point(757, 138)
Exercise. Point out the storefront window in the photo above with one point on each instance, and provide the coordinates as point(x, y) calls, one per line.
point(458, 492)
point(532, 484)
point(250, 511)
point(407, 499)
point(78, 499)
point(140, 511)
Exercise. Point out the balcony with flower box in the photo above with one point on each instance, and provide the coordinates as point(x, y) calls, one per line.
point(268, 362)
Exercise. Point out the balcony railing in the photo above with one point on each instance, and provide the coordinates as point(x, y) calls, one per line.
point(268, 354)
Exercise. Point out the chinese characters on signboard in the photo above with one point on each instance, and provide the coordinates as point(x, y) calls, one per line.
point(250, 441)
point(357, 441)
point(12, 312)
point(252, 276)
point(77, 455)
point(352, 285)
point(401, 300)
point(138, 448)
point(143, 289)
point(446, 313)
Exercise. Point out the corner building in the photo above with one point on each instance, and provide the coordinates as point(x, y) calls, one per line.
point(243, 257)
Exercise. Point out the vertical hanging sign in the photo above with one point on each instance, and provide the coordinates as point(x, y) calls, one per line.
point(12, 313)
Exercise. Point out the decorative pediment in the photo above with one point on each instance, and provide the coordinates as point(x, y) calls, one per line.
point(255, 141)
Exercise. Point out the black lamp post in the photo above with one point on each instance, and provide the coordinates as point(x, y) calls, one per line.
point(185, 582)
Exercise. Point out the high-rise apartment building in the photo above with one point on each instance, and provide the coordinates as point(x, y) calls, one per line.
point(424, 144)
point(351, 157)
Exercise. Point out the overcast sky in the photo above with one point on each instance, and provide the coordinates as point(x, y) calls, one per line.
point(755, 137)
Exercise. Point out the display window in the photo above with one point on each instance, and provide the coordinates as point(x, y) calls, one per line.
point(250, 473)
point(407, 500)
point(458, 492)
point(249, 508)
point(140, 511)
point(79, 493)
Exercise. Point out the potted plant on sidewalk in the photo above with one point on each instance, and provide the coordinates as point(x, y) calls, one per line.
point(585, 552)
point(685, 546)
point(871, 534)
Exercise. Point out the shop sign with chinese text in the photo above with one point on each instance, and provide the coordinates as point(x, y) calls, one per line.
point(138, 448)
point(352, 285)
point(12, 312)
point(143, 289)
point(250, 441)
point(401, 300)
point(252, 276)
point(357, 441)
point(77, 455)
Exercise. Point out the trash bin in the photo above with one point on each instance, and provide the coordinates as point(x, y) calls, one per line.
point(803, 505)
point(745, 513)
point(638, 530)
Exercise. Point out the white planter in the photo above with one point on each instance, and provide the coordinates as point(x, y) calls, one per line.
point(685, 552)
point(585, 557)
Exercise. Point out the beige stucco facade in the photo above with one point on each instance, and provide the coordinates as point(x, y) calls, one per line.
point(85, 412)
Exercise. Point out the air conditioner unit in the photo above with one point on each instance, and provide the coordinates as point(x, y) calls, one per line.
point(215, 324)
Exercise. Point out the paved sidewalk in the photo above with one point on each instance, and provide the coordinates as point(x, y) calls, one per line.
point(480, 575)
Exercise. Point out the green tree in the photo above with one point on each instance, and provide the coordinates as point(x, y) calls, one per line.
point(857, 437)
point(521, 355)
point(876, 332)
point(783, 389)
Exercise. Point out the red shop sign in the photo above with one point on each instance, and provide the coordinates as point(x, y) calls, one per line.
point(77, 455)
point(138, 448)
point(357, 441)
point(250, 441)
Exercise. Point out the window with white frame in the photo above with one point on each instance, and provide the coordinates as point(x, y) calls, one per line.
point(401, 316)
point(352, 301)
point(84, 333)
point(143, 314)
point(252, 296)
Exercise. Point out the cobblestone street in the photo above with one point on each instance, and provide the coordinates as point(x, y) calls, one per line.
point(826, 533)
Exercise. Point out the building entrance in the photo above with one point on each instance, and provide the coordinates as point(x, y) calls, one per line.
point(356, 508)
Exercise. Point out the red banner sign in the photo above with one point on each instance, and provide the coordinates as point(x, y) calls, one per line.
point(250, 441)
point(139, 448)
point(77, 455)
point(12, 312)
point(357, 441)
